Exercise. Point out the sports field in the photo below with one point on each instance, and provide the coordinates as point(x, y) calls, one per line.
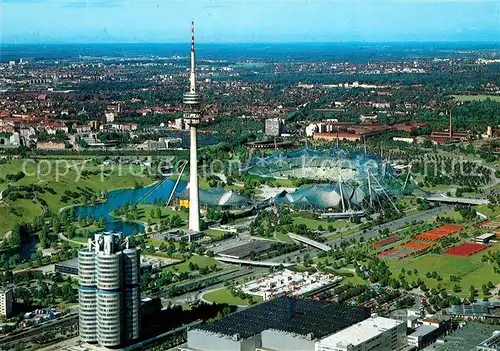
point(476, 97)
point(385, 242)
point(466, 249)
point(438, 233)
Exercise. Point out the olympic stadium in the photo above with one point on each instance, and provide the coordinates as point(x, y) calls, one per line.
point(352, 182)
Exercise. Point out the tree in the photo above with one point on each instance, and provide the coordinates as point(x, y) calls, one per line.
point(15, 236)
point(102, 222)
point(70, 231)
point(67, 293)
point(56, 225)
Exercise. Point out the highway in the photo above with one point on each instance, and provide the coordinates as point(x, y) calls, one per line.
point(393, 226)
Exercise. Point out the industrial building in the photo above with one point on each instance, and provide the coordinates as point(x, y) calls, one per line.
point(477, 310)
point(6, 300)
point(471, 336)
point(109, 293)
point(284, 323)
point(374, 334)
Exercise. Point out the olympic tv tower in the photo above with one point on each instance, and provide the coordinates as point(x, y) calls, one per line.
point(192, 115)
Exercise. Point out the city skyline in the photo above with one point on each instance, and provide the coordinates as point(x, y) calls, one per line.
point(110, 21)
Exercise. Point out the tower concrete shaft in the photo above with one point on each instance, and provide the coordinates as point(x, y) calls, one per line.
point(192, 116)
point(194, 201)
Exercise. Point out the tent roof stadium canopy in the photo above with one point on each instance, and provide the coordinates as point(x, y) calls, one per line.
point(318, 164)
point(355, 195)
point(218, 197)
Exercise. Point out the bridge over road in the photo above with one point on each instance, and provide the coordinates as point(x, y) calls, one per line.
point(457, 200)
point(310, 242)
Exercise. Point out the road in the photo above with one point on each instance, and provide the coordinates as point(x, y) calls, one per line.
point(393, 226)
point(195, 295)
point(63, 237)
point(26, 335)
point(367, 234)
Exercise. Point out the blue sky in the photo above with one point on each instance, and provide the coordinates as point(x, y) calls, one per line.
point(92, 21)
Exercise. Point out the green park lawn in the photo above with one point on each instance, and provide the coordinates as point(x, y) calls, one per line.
point(283, 183)
point(215, 234)
point(355, 280)
point(22, 210)
point(315, 223)
point(80, 239)
point(16, 212)
point(487, 211)
point(223, 295)
point(476, 97)
point(201, 261)
point(91, 228)
point(451, 214)
point(284, 237)
point(470, 269)
point(144, 212)
point(406, 201)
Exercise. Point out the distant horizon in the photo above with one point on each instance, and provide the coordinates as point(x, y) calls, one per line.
point(261, 42)
point(248, 21)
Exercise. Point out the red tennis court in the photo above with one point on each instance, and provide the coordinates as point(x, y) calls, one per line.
point(438, 233)
point(385, 242)
point(466, 249)
point(417, 246)
point(396, 253)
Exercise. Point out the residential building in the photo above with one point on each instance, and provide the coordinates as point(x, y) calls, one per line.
point(51, 145)
point(6, 300)
point(274, 126)
point(368, 117)
point(110, 117)
point(374, 334)
point(109, 293)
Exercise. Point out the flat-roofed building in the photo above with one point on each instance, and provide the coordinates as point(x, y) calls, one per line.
point(67, 267)
point(281, 324)
point(484, 238)
point(374, 334)
point(423, 336)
